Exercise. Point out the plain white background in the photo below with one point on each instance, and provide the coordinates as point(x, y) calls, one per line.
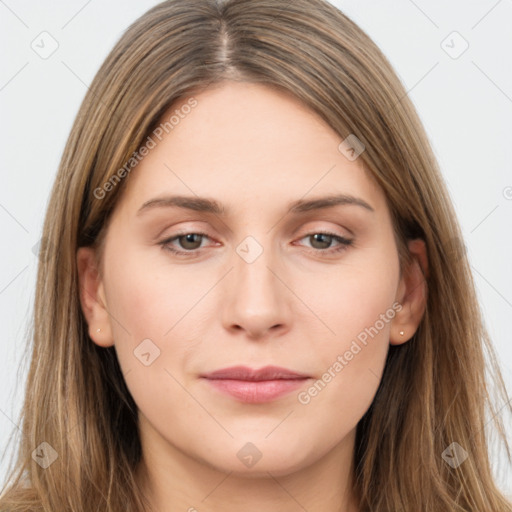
point(461, 84)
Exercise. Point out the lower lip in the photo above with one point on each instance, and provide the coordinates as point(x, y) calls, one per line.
point(256, 391)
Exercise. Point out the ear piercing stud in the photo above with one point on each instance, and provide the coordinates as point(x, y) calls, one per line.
point(98, 330)
point(402, 333)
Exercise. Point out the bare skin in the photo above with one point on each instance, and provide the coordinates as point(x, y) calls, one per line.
point(298, 304)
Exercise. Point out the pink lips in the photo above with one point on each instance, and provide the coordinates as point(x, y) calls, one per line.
point(255, 386)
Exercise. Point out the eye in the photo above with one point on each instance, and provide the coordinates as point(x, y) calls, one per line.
point(322, 240)
point(191, 243)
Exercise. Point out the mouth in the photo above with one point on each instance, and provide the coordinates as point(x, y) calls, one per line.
point(255, 386)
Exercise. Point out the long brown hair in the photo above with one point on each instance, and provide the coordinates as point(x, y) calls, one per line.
point(434, 390)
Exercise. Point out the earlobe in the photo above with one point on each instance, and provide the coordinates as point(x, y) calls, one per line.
point(412, 294)
point(92, 298)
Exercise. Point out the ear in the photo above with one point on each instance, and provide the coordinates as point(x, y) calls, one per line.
point(411, 294)
point(92, 298)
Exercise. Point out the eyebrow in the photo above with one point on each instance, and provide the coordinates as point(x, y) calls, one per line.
point(206, 205)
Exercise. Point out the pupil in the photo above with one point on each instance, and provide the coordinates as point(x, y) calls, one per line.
point(318, 237)
point(189, 238)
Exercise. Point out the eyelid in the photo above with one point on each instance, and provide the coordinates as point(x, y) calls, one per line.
point(334, 227)
point(311, 231)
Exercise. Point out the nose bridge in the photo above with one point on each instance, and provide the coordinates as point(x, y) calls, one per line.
point(257, 300)
point(255, 283)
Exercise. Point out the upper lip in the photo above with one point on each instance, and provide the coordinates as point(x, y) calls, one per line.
point(251, 374)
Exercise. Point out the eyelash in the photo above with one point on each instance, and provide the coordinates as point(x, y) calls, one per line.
point(344, 244)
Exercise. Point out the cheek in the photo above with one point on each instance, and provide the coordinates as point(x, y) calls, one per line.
point(151, 311)
point(351, 298)
point(349, 371)
point(356, 304)
point(149, 297)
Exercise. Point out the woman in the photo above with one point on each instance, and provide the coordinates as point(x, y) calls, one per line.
point(253, 367)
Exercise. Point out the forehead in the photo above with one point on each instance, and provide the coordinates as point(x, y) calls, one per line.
point(247, 143)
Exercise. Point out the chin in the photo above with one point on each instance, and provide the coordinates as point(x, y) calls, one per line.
point(258, 459)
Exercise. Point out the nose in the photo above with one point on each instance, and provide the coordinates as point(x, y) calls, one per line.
point(258, 301)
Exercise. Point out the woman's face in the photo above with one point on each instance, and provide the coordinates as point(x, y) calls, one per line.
point(254, 284)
